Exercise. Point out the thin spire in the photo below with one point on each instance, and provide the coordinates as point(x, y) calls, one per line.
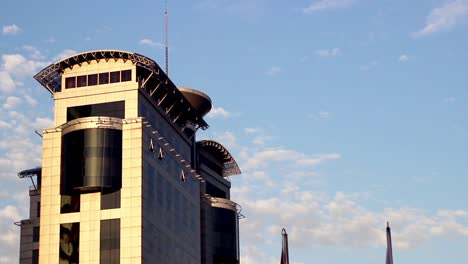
point(285, 249)
point(389, 258)
point(167, 39)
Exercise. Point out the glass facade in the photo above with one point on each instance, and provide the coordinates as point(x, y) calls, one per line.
point(69, 203)
point(69, 243)
point(110, 200)
point(35, 237)
point(98, 79)
point(110, 109)
point(91, 160)
point(110, 241)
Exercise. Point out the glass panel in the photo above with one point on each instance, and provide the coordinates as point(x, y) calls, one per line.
point(69, 203)
point(110, 200)
point(104, 78)
point(110, 241)
point(92, 79)
point(126, 75)
point(38, 209)
point(35, 256)
point(81, 81)
point(91, 160)
point(115, 77)
point(70, 82)
point(35, 236)
point(69, 242)
point(112, 109)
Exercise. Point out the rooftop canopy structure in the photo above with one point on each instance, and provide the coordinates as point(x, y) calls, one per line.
point(150, 78)
point(230, 167)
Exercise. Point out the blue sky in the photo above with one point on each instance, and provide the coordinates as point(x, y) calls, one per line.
point(343, 114)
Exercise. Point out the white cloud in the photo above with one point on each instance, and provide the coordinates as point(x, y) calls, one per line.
point(11, 102)
point(321, 115)
point(328, 52)
point(403, 58)
point(18, 65)
point(449, 100)
point(315, 219)
point(304, 58)
point(34, 53)
point(50, 40)
point(227, 139)
point(64, 54)
point(274, 70)
point(11, 29)
point(41, 123)
point(444, 18)
point(252, 130)
point(369, 66)
point(30, 100)
point(327, 4)
point(261, 158)
point(261, 140)
point(7, 84)
point(149, 42)
point(318, 159)
point(217, 112)
point(4, 124)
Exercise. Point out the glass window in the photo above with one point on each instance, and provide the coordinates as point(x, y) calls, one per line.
point(35, 256)
point(70, 82)
point(69, 242)
point(110, 200)
point(126, 75)
point(38, 209)
point(112, 109)
point(104, 78)
point(69, 203)
point(35, 236)
point(81, 81)
point(92, 79)
point(110, 241)
point(115, 77)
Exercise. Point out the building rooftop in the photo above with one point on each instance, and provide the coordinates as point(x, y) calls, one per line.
point(51, 78)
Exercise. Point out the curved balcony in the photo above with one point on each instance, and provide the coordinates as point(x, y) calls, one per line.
point(92, 122)
point(225, 204)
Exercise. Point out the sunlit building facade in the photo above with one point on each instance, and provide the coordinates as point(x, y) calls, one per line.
point(123, 179)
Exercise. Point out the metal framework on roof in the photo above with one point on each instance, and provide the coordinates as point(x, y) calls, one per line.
point(29, 172)
point(169, 98)
point(230, 167)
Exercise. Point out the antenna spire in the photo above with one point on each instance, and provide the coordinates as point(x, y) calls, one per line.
point(167, 39)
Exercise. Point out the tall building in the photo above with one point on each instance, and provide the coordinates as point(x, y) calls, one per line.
point(123, 179)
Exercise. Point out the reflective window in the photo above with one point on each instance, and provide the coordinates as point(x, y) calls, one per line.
point(111, 109)
point(110, 241)
point(92, 79)
point(35, 236)
point(69, 203)
point(115, 77)
point(70, 82)
point(126, 75)
point(35, 256)
point(69, 242)
point(110, 200)
point(104, 78)
point(38, 209)
point(81, 81)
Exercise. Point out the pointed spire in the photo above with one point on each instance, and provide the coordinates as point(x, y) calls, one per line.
point(285, 250)
point(389, 258)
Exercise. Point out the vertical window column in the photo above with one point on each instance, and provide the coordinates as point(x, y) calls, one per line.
point(110, 241)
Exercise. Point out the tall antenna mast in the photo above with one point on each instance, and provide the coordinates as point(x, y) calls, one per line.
point(167, 42)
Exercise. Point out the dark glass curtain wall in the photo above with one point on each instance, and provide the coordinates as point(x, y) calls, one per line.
point(91, 160)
